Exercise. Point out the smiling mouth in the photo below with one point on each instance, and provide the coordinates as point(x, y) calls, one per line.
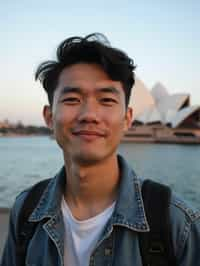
point(88, 135)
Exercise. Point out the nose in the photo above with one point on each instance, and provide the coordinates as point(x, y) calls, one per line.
point(89, 112)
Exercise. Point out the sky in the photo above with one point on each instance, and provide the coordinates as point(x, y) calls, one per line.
point(162, 37)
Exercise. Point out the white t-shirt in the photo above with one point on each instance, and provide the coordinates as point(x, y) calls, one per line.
point(81, 237)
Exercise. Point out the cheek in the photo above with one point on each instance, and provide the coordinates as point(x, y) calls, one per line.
point(63, 116)
point(61, 120)
point(116, 123)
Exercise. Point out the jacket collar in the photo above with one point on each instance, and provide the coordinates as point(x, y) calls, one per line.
point(50, 201)
point(129, 210)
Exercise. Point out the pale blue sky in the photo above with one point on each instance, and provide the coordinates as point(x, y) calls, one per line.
point(163, 38)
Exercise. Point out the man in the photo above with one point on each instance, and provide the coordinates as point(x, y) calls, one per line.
point(92, 212)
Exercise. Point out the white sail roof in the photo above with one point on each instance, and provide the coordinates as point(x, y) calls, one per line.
point(160, 106)
point(173, 102)
point(183, 114)
point(150, 115)
point(159, 92)
point(141, 98)
point(155, 116)
point(170, 115)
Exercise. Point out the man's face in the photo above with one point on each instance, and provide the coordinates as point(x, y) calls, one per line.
point(88, 114)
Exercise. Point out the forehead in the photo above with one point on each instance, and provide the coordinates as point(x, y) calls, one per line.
point(84, 75)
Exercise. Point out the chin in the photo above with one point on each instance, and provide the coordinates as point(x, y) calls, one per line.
point(88, 159)
point(91, 158)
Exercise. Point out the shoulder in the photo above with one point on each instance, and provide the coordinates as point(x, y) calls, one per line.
point(185, 223)
point(185, 208)
point(19, 201)
point(23, 196)
point(15, 212)
point(184, 219)
point(179, 208)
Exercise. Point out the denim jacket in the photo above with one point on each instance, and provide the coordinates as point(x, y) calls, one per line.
point(118, 244)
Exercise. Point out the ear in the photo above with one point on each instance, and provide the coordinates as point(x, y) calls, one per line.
point(128, 118)
point(47, 114)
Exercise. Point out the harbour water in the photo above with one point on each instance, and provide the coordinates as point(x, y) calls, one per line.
point(26, 160)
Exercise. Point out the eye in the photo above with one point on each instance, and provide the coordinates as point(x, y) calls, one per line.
point(108, 101)
point(71, 100)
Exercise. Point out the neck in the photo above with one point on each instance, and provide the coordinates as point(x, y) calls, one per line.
point(90, 189)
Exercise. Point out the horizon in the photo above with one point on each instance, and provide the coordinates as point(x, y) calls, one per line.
point(162, 38)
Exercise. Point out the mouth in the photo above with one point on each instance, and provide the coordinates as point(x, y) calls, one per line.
point(88, 134)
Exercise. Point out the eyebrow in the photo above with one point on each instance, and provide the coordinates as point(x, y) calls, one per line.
point(70, 90)
point(109, 90)
point(78, 90)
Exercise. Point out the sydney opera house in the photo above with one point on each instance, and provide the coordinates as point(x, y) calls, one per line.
point(163, 117)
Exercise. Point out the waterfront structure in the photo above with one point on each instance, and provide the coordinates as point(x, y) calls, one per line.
point(163, 117)
point(5, 124)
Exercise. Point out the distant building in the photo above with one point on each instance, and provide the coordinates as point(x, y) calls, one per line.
point(159, 107)
point(160, 117)
point(5, 124)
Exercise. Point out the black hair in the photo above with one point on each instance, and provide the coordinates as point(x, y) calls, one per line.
point(94, 48)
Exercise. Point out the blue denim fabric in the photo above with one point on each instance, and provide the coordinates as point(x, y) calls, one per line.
point(118, 245)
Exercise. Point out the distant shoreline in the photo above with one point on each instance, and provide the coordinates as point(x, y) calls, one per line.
point(24, 135)
point(128, 138)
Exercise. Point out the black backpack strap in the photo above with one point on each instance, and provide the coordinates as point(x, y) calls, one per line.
point(156, 246)
point(25, 229)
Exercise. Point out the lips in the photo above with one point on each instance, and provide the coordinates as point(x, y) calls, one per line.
point(88, 134)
